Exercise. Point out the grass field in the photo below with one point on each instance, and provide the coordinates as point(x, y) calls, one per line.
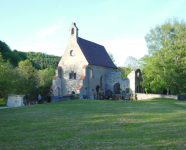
point(95, 124)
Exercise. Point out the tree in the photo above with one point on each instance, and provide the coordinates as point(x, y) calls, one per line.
point(112, 57)
point(27, 71)
point(165, 64)
point(10, 80)
point(125, 71)
point(46, 76)
point(131, 62)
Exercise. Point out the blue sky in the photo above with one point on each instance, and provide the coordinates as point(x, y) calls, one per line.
point(119, 25)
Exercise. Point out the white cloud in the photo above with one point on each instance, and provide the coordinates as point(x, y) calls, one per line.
point(46, 32)
point(122, 48)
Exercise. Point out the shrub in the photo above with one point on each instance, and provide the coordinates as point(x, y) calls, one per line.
point(72, 96)
point(76, 96)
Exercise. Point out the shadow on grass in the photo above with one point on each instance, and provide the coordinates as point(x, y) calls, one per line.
point(89, 124)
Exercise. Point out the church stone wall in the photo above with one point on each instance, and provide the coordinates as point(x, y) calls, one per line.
point(69, 64)
point(116, 77)
point(132, 81)
point(131, 78)
point(57, 83)
point(93, 78)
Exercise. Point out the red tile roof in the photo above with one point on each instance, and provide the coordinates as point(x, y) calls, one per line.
point(85, 66)
point(52, 86)
point(58, 68)
point(79, 87)
point(95, 54)
point(82, 78)
point(55, 77)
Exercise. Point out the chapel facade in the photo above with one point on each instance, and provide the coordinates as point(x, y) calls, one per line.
point(86, 65)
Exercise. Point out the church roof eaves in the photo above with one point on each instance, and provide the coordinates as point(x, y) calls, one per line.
point(82, 77)
point(79, 87)
point(52, 86)
point(55, 77)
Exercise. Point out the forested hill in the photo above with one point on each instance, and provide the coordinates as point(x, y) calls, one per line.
point(39, 60)
point(42, 61)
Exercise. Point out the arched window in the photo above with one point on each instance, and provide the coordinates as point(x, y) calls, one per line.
point(73, 92)
point(72, 75)
point(117, 88)
point(101, 81)
point(72, 31)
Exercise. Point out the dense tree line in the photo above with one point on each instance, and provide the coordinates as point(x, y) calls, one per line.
point(42, 61)
point(27, 73)
point(24, 79)
point(39, 60)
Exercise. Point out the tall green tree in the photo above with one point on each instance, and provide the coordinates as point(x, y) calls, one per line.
point(125, 71)
point(29, 73)
point(165, 64)
point(131, 62)
point(11, 82)
point(46, 76)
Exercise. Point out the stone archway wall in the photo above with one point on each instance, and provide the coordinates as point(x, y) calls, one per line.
point(116, 77)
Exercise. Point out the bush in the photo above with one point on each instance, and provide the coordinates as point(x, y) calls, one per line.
point(72, 96)
point(76, 96)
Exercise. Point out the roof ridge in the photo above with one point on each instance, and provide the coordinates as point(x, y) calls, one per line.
point(90, 41)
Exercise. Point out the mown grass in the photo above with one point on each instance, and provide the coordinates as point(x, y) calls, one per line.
point(94, 124)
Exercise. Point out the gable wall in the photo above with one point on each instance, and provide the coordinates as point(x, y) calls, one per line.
point(68, 64)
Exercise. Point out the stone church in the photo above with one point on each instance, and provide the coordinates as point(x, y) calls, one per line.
point(86, 65)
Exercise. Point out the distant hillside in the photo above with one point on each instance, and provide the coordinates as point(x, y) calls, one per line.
point(39, 60)
point(42, 61)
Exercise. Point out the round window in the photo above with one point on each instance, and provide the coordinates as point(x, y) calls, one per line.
point(72, 53)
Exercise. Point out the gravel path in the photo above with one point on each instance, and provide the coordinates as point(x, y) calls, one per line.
point(3, 107)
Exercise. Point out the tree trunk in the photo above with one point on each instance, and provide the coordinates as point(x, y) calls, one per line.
point(167, 90)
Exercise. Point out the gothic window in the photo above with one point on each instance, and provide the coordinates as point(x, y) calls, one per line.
point(70, 76)
point(117, 88)
point(72, 32)
point(74, 75)
point(101, 81)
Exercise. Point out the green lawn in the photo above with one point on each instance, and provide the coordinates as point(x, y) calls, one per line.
point(95, 124)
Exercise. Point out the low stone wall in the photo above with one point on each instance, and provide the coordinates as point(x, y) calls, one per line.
point(15, 100)
point(141, 96)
